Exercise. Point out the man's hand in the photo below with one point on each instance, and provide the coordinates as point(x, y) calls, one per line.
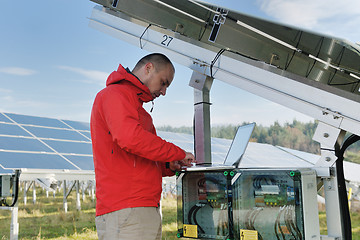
point(176, 165)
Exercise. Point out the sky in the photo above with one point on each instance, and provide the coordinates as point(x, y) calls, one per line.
point(52, 63)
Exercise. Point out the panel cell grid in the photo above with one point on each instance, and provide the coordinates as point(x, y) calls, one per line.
point(13, 130)
point(64, 134)
point(37, 121)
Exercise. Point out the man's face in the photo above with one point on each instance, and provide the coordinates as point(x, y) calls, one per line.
point(159, 81)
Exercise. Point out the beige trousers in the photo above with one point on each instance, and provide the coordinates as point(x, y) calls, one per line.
point(130, 224)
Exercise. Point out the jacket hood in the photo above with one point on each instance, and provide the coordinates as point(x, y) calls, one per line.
point(125, 75)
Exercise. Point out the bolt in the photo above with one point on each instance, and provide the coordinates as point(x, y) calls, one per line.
point(326, 135)
point(328, 159)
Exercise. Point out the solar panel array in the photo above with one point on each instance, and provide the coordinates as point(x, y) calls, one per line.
point(44, 143)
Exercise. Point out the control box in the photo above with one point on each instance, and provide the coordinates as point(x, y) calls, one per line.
point(241, 204)
point(204, 199)
point(5, 185)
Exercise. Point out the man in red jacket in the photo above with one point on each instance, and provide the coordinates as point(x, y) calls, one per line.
point(129, 158)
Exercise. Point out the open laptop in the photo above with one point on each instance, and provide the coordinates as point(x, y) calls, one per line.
point(234, 154)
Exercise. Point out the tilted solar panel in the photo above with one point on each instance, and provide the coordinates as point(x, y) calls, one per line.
point(311, 73)
point(44, 143)
point(324, 59)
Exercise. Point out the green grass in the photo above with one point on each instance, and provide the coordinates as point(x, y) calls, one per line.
point(47, 220)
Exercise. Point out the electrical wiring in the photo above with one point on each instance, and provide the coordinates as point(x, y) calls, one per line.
point(278, 225)
point(344, 206)
point(288, 221)
point(252, 221)
point(195, 220)
point(247, 219)
point(192, 215)
point(293, 225)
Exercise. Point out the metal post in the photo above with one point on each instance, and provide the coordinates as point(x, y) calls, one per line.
point(14, 225)
point(202, 85)
point(92, 192)
point(25, 190)
point(34, 193)
point(65, 198)
point(83, 191)
point(78, 204)
point(329, 137)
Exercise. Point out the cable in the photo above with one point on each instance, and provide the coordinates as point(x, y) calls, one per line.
point(288, 221)
point(191, 213)
point(16, 188)
point(278, 223)
point(195, 221)
point(221, 51)
point(343, 200)
point(141, 46)
point(276, 226)
point(252, 221)
point(247, 221)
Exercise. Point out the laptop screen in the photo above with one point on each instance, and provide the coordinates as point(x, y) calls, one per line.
point(239, 144)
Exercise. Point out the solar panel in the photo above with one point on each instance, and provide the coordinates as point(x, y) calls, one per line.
point(18, 160)
point(44, 143)
point(287, 65)
point(77, 125)
point(37, 121)
point(22, 144)
point(4, 119)
point(55, 133)
point(323, 59)
point(11, 129)
point(51, 144)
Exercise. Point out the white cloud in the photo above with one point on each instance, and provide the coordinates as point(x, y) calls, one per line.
point(17, 71)
point(97, 76)
point(331, 17)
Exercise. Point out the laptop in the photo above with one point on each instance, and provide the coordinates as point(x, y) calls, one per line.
point(234, 154)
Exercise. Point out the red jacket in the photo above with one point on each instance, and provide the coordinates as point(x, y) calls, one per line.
point(129, 157)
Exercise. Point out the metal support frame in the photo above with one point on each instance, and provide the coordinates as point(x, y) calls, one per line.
point(26, 189)
point(329, 137)
point(14, 224)
point(67, 192)
point(34, 192)
point(202, 133)
point(78, 203)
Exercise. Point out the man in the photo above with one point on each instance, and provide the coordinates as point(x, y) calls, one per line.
point(129, 158)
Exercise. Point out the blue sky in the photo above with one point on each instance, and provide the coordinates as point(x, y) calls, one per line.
point(52, 64)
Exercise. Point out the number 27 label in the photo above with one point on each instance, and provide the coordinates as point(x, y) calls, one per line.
point(166, 40)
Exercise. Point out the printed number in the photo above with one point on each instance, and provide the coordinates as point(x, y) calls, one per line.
point(167, 40)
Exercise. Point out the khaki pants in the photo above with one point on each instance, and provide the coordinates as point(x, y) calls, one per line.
point(130, 224)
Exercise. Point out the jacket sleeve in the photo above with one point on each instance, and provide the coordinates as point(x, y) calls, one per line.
point(122, 118)
point(166, 172)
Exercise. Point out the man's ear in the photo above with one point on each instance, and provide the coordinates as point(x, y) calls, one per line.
point(148, 67)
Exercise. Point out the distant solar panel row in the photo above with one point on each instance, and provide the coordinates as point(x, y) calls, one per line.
point(44, 143)
point(47, 143)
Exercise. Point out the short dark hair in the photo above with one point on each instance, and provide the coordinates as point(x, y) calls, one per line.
point(158, 59)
